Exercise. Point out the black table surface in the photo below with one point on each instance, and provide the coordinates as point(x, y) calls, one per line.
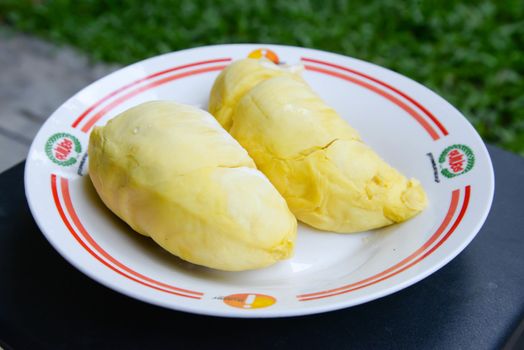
point(474, 302)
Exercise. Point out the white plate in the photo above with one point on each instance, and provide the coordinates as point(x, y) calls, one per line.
point(411, 127)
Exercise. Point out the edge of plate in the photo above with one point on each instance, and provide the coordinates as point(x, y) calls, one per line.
point(271, 313)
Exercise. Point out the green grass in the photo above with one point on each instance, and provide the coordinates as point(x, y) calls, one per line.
point(470, 52)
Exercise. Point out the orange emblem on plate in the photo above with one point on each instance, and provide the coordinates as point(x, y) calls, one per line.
point(267, 53)
point(249, 300)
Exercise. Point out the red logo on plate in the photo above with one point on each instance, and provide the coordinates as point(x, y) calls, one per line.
point(456, 160)
point(63, 149)
point(249, 301)
point(267, 53)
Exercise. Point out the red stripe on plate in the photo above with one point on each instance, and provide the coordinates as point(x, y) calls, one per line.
point(407, 97)
point(426, 254)
point(96, 256)
point(141, 89)
point(136, 82)
point(423, 122)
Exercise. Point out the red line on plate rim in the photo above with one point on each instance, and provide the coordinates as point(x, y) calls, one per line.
point(138, 81)
point(423, 122)
point(96, 256)
point(141, 89)
point(431, 116)
point(425, 255)
point(445, 222)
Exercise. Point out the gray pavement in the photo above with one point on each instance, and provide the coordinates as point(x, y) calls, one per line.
point(36, 77)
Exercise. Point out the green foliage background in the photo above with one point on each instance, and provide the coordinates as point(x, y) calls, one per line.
point(470, 52)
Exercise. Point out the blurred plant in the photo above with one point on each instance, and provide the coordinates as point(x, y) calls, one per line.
point(470, 52)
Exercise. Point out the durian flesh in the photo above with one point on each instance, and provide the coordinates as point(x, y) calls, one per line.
point(329, 177)
point(172, 173)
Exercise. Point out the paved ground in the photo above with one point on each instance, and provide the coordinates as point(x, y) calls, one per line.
point(35, 78)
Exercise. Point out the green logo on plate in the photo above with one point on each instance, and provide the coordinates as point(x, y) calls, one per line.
point(456, 160)
point(63, 149)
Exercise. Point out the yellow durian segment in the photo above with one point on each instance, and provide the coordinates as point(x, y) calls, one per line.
point(172, 173)
point(237, 79)
point(330, 179)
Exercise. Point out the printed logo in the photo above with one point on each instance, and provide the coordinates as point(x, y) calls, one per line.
point(63, 149)
point(456, 160)
point(248, 301)
point(267, 53)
